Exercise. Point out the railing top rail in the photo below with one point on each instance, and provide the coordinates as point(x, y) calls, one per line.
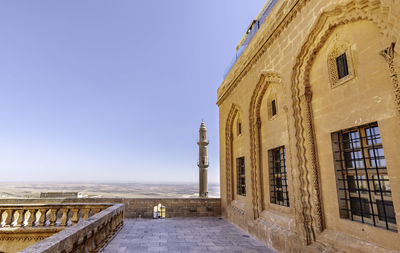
point(260, 17)
point(3, 206)
point(250, 33)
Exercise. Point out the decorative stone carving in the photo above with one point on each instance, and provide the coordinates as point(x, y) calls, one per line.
point(311, 213)
point(96, 233)
point(338, 48)
point(389, 54)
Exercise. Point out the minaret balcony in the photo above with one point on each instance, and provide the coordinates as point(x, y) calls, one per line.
point(203, 142)
point(203, 165)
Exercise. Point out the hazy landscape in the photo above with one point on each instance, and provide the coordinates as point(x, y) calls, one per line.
point(111, 190)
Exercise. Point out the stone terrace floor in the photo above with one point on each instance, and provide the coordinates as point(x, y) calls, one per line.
point(210, 234)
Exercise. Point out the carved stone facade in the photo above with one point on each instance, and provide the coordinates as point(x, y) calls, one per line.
point(293, 61)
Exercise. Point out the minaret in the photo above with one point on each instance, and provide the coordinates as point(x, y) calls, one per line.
point(203, 161)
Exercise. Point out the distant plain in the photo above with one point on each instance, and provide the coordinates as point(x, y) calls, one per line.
point(107, 190)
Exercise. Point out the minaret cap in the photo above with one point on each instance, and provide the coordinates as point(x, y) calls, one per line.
point(203, 126)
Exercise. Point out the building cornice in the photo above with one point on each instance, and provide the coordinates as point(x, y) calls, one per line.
point(277, 21)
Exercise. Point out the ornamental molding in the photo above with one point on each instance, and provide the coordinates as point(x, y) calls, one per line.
point(23, 237)
point(338, 48)
point(308, 210)
point(389, 54)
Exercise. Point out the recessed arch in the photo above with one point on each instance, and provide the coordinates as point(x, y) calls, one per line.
point(264, 82)
point(309, 209)
point(234, 112)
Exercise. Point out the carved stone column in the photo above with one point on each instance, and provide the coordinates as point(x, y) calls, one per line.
point(316, 210)
point(309, 215)
point(260, 182)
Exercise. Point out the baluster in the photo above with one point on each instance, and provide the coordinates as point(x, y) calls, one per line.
point(109, 229)
point(64, 217)
point(1, 217)
point(75, 216)
point(42, 219)
point(9, 218)
point(18, 217)
point(81, 245)
point(31, 217)
point(113, 224)
point(90, 242)
point(96, 210)
point(121, 218)
point(97, 238)
point(86, 212)
point(53, 217)
point(102, 235)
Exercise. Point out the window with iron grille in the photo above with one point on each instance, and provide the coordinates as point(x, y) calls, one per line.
point(363, 183)
point(279, 193)
point(241, 176)
point(342, 67)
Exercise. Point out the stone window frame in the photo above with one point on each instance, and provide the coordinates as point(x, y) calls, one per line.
point(337, 50)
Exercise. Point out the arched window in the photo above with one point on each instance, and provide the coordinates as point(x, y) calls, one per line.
point(340, 64)
point(239, 127)
point(272, 106)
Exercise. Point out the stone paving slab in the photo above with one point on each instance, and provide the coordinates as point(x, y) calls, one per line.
point(181, 235)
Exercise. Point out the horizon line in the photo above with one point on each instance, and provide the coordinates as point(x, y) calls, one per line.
point(104, 182)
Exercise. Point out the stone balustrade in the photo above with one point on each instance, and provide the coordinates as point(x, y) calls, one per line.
point(22, 223)
point(142, 207)
point(46, 215)
point(89, 235)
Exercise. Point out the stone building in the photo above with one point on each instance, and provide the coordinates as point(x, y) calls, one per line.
point(309, 127)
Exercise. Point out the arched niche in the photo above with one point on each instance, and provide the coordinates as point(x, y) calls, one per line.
point(309, 210)
point(231, 140)
point(256, 148)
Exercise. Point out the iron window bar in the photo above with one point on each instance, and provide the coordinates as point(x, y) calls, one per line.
point(279, 193)
point(241, 176)
point(364, 181)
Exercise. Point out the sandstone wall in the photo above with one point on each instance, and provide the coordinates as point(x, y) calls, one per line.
point(288, 60)
point(175, 207)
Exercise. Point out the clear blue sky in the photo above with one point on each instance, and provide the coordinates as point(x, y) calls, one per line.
point(113, 90)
